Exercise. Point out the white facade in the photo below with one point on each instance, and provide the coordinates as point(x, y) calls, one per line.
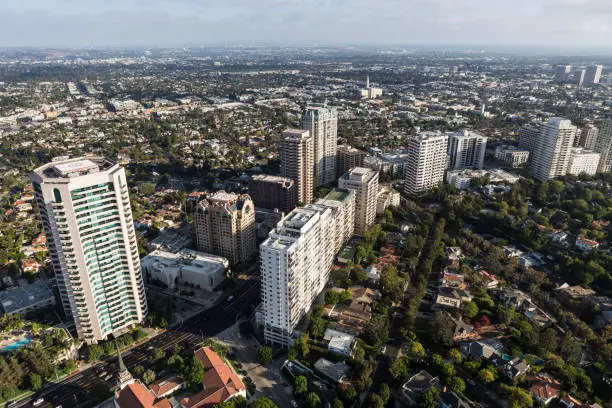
point(387, 197)
point(297, 161)
point(322, 123)
point(553, 149)
point(427, 161)
point(295, 263)
point(364, 182)
point(511, 156)
point(603, 146)
point(85, 211)
point(593, 74)
point(187, 267)
point(583, 161)
point(466, 150)
point(462, 179)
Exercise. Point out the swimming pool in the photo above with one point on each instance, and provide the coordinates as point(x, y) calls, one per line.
point(17, 344)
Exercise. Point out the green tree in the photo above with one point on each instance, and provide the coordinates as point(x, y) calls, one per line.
point(300, 385)
point(35, 381)
point(302, 346)
point(263, 402)
point(470, 310)
point(317, 326)
point(264, 354)
point(148, 377)
point(95, 352)
point(429, 399)
point(399, 368)
point(417, 350)
point(384, 392)
point(375, 401)
point(455, 355)
point(194, 373)
point(516, 397)
point(456, 384)
point(332, 297)
point(176, 363)
point(312, 400)
point(486, 376)
point(336, 403)
point(147, 188)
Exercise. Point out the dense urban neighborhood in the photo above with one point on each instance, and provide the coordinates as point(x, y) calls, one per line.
point(261, 227)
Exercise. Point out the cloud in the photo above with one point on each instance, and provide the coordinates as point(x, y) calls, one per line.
point(178, 22)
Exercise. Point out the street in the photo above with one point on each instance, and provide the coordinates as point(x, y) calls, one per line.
point(75, 391)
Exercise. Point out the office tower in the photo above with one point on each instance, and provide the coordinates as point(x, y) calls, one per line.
point(297, 161)
point(583, 161)
point(365, 183)
point(295, 263)
point(225, 226)
point(85, 211)
point(593, 74)
point(322, 122)
point(603, 146)
point(586, 137)
point(552, 152)
point(466, 150)
point(528, 137)
point(579, 77)
point(511, 156)
point(273, 192)
point(427, 161)
point(347, 158)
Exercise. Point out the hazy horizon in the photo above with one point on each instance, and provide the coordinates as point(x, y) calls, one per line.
point(541, 24)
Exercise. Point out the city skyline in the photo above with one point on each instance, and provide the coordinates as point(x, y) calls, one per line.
point(563, 24)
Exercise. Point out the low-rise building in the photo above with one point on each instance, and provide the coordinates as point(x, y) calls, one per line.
point(220, 383)
point(387, 197)
point(185, 267)
point(339, 342)
point(24, 299)
point(585, 244)
point(511, 156)
point(417, 384)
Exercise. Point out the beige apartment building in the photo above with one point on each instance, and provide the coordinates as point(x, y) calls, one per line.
point(297, 161)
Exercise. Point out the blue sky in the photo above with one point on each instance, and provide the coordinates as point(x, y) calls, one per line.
point(559, 23)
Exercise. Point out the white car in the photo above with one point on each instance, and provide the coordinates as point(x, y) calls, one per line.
point(38, 402)
point(383, 349)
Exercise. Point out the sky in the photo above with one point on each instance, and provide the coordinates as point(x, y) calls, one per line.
point(96, 23)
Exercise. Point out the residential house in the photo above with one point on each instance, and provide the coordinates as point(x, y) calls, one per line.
point(417, 384)
point(586, 245)
point(339, 342)
point(335, 371)
point(489, 280)
point(576, 292)
point(515, 368)
point(477, 350)
point(463, 331)
point(449, 399)
point(452, 280)
point(353, 318)
point(544, 388)
point(167, 386)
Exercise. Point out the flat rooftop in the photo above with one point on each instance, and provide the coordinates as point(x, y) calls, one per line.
point(337, 194)
point(68, 168)
point(24, 296)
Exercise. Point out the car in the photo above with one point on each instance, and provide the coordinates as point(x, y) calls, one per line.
point(229, 299)
point(383, 349)
point(294, 403)
point(38, 402)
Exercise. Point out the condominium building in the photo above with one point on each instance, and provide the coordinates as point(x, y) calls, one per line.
point(273, 192)
point(322, 123)
point(296, 260)
point(85, 211)
point(225, 226)
point(347, 158)
point(511, 156)
point(466, 150)
point(586, 137)
point(553, 149)
point(593, 74)
point(365, 183)
point(427, 161)
point(603, 146)
point(583, 161)
point(297, 161)
point(528, 136)
point(342, 203)
point(387, 197)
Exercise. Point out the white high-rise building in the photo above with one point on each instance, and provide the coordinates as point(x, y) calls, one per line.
point(593, 74)
point(297, 161)
point(551, 155)
point(583, 161)
point(466, 150)
point(85, 211)
point(603, 146)
point(296, 260)
point(322, 122)
point(427, 161)
point(365, 183)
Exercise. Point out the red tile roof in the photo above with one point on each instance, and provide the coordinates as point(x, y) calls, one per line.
point(220, 381)
point(136, 395)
